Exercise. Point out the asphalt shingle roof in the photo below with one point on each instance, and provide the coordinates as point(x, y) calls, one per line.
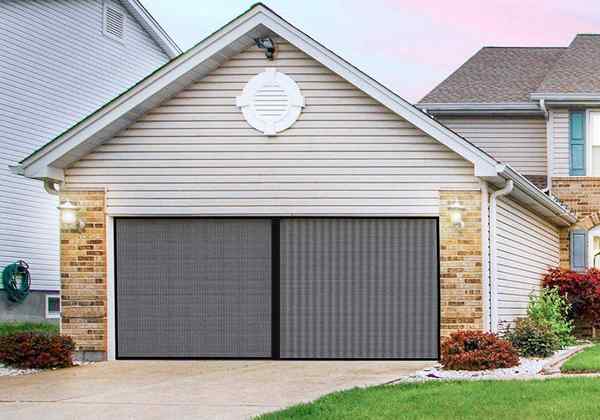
point(497, 75)
point(577, 69)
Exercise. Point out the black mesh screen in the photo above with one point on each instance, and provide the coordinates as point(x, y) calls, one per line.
point(193, 287)
point(359, 288)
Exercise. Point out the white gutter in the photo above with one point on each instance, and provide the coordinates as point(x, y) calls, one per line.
point(533, 192)
point(493, 284)
point(553, 96)
point(509, 108)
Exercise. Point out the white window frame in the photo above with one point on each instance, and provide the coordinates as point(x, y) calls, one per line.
point(53, 315)
point(588, 141)
point(105, 5)
point(594, 232)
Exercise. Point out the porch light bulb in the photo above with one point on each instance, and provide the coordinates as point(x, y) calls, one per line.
point(69, 217)
point(456, 214)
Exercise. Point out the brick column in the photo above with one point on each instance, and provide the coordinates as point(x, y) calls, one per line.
point(461, 264)
point(83, 276)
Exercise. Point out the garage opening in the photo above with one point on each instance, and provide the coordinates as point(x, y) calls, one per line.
point(290, 288)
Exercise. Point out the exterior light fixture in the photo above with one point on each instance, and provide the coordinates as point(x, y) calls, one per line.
point(70, 216)
point(268, 45)
point(456, 211)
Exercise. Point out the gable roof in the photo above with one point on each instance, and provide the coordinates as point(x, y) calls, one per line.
point(156, 32)
point(576, 70)
point(501, 79)
point(48, 162)
point(496, 75)
point(234, 37)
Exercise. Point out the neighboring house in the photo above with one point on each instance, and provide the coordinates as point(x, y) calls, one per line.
point(61, 60)
point(289, 208)
point(537, 109)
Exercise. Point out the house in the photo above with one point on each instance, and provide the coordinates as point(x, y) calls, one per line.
point(260, 197)
point(537, 109)
point(61, 60)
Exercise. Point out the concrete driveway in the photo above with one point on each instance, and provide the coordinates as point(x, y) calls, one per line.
point(184, 389)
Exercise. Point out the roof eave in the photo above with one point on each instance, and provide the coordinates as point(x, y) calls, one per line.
point(565, 97)
point(151, 25)
point(528, 193)
point(482, 108)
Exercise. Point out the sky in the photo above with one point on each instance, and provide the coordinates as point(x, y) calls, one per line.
point(408, 45)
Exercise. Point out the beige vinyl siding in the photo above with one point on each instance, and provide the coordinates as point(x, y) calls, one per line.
point(559, 119)
point(518, 141)
point(527, 246)
point(347, 154)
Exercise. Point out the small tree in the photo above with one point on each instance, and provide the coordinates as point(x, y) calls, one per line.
point(582, 290)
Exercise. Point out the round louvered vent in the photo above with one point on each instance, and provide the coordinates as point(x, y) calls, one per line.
point(271, 102)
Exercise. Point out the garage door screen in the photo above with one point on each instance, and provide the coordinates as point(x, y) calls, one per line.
point(359, 288)
point(193, 287)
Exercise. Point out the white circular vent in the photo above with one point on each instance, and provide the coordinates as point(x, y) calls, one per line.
point(271, 102)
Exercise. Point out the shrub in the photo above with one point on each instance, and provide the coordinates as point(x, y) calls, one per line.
point(7, 328)
point(532, 339)
point(36, 350)
point(582, 290)
point(551, 310)
point(475, 350)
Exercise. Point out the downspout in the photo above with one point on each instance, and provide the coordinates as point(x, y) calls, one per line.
point(549, 145)
point(485, 257)
point(493, 285)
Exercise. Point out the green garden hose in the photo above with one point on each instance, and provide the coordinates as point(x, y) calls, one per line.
point(16, 280)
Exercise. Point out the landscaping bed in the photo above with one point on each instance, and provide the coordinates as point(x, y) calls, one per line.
point(533, 399)
point(586, 361)
point(528, 368)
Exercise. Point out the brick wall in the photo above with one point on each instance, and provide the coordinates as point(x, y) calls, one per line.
point(83, 275)
point(461, 266)
point(582, 195)
point(83, 270)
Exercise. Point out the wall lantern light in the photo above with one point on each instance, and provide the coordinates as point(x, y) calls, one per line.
point(70, 216)
point(456, 211)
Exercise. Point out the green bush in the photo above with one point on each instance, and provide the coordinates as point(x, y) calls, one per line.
point(551, 309)
point(532, 339)
point(7, 328)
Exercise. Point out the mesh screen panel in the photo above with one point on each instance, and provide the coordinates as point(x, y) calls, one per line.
point(359, 288)
point(193, 287)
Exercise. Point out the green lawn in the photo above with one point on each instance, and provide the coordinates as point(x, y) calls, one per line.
point(587, 361)
point(577, 398)
point(17, 327)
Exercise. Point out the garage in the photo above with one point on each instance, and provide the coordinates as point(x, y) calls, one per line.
point(289, 288)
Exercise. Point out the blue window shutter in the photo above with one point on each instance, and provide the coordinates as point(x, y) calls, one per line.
point(577, 143)
point(579, 250)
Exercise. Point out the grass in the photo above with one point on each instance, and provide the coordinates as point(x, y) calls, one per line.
point(586, 361)
point(549, 399)
point(18, 327)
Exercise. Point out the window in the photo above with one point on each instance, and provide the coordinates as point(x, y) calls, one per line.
point(593, 237)
point(593, 143)
point(113, 21)
point(52, 306)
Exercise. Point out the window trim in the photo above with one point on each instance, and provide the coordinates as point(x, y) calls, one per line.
point(588, 141)
point(53, 315)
